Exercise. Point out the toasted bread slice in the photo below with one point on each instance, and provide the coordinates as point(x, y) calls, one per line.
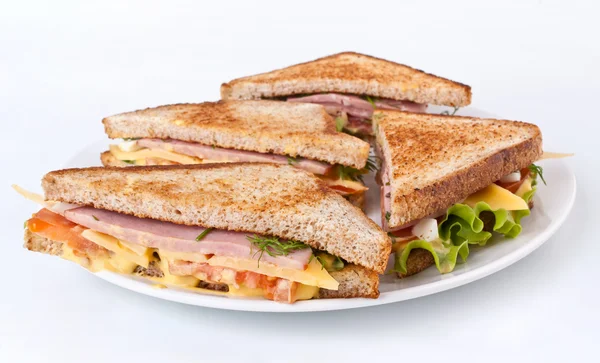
point(283, 128)
point(352, 73)
point(259, 198)
point(356, 199)
point(355, 281)
point(435, 161)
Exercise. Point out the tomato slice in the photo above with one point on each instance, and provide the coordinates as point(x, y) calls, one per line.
point(57, 228)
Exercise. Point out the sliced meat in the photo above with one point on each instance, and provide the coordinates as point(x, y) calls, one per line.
point(232, 155)
point(357, 125)
point(337, 103)
point(357, 107)
point(388, 104)
point(179, 238)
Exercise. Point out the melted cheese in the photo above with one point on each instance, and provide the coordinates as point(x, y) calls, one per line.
point(305, 292)
point(169, 279)
point(498, 198)
point(120, 252)
point(314, 275)
point(152, 153)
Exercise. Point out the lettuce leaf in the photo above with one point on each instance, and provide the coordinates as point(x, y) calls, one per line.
point(462, 226)
point(444, 254)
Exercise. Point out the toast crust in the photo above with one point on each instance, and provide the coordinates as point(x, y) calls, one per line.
point(436, 161)
point(418, 260)
point(257, 198)
point(355, 281)
point(352, 73)
point(283, 128)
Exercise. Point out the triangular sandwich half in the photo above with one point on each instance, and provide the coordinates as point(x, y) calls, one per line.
point(240, 229)
point(350, 86)
point(302, 135)
point(450, 181)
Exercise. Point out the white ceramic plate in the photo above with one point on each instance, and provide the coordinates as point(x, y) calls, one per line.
point(552, 205)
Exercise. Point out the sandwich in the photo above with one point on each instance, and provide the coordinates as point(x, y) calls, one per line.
point(301, 135)
point(351, 86)
point(449, 182)
point(238, 229)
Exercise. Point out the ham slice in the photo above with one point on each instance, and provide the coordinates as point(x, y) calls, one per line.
point(179, 238)
point(355, 106)
point(388, 104)
point(218, 154)
point(337, 103)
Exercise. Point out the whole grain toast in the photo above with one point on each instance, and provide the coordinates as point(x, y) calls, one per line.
point(352, 73)
point(435, 161)
point(293, 129)
point(357, 199)
point(259, 198)
point(354, 281)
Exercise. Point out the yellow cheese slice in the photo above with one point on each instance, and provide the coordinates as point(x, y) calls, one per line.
point(354, 185)
point(550, 155)
point(152, 153)
point(140, 250)
point(314, 275)
point(34, 197)
point(185, 256)
point(497, 197)
point(112, 244)
point(524, 188)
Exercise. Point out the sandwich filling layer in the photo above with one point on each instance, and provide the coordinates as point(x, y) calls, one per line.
point(447, 234)
point(343, 179)
point(354, 113)
point(204, 259)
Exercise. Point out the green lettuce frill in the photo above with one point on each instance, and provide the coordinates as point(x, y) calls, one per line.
point(462, 226)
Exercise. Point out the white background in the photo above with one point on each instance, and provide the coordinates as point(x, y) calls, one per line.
point(64, 66)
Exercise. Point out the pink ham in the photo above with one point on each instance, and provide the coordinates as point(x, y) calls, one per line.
point(179, 238)
point(357, 125)
point(336, 103)
point(355, 106)
point(232, 155)
point(388, 104)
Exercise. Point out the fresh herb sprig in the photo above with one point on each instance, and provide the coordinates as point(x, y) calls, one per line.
point(350, 173)
point(273, 246)
point(447, 113)
point(203, 234)
point(371, 101)
point(291, 160)
point(537, 170)
point(130, 138)
point(129, 161)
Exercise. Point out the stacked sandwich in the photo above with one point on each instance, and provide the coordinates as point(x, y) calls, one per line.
point(256, 195)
